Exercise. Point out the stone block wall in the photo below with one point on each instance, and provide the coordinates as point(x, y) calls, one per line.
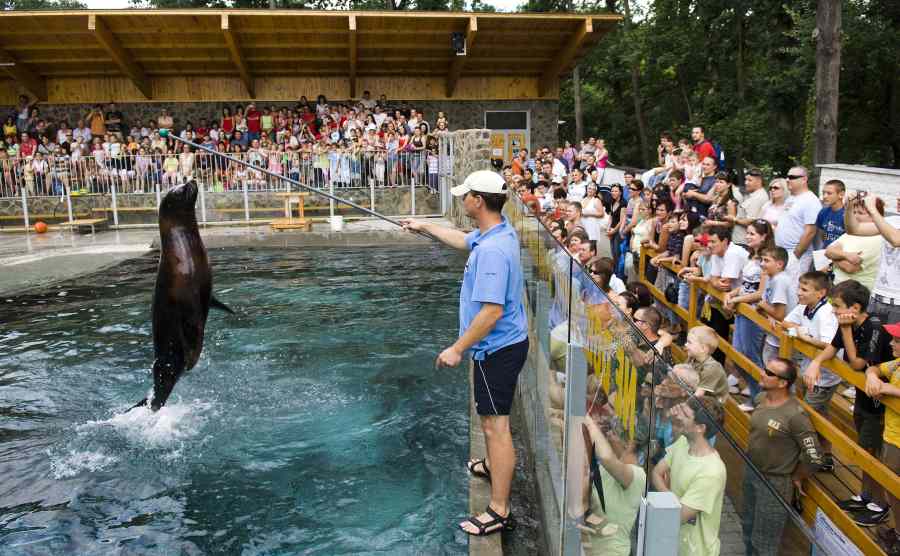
point(471, 152)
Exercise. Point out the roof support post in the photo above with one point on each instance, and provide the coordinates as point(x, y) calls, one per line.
point(121, 58)
point(234, 48)
point(563, 60)
point(32, 82)
point(353, 55)
point(456, 66)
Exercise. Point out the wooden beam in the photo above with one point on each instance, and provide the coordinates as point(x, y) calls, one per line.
point(564, 58)
point(456, 66)
point(354, 52)
point(121, 58)
point(22, 74)
point(235, 49)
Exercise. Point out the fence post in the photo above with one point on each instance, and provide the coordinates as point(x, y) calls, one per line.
point(69, 203)
point(25, 207)
point(158, 197)
point(331, 201)
point(115, 205)
point(692, 305)
point(246, 203)
point(372, 194)
point(202, 205)
point(412, 196)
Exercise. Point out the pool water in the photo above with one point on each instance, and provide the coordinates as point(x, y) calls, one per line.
point(314, 422)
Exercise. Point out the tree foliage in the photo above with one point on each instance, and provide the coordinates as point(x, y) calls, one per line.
point(41, 5)
point(745, 69)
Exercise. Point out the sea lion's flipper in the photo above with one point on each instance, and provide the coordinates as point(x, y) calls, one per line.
point(165, 374)
point(141, 403)
point(216, 304)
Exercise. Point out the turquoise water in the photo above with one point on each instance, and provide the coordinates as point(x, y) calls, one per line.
point(314, 422)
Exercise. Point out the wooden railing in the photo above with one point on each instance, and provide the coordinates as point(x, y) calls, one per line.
point(737, 423)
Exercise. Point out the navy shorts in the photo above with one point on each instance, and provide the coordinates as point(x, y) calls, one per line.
point(496, 377)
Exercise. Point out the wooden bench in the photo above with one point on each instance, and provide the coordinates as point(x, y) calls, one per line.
point(289, 222)
point(84, 224)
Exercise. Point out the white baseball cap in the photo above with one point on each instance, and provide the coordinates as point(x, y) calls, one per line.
point(482, 181)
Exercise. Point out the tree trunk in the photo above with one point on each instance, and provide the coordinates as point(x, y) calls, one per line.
point(828, 73)
point(576, 92)
point(636, 93)
point(741, 84)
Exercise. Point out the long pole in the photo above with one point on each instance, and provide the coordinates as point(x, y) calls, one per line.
point(297, 183)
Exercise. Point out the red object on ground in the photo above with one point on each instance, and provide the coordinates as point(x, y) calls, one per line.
point(40, 227)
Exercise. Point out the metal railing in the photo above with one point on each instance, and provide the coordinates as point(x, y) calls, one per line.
point(112, 180)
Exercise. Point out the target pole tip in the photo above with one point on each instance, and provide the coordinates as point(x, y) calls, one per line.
point(163, 132)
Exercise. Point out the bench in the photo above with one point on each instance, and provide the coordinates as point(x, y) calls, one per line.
point(83, 224)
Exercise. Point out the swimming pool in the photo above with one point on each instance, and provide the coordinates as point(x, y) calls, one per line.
point(314, 422)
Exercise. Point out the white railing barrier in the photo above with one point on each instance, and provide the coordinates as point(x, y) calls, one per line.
point(115, 205)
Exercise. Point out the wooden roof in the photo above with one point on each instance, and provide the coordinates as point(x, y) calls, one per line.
point(141, 44)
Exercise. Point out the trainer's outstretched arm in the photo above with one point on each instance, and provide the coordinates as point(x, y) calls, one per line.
point(449, 236)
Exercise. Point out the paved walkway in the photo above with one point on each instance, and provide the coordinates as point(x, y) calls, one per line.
point(34, 260)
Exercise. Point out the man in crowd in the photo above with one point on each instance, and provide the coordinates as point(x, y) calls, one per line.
point(783, 449)
point(796, 228)
point(830, 222)
point(114, 120)
point(699, 198)
point(693, 471)
point(750, 207)
point(702, 146)
point(493, 328)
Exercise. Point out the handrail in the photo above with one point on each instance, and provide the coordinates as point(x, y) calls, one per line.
point(871, 465)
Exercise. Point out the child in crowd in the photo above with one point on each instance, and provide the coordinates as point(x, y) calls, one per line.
point(813, 322)
point(890, 455)
point(855, 330)
point(779, 297)
point(700, 345)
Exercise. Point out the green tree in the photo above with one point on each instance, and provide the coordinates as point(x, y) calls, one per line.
point(41, 5)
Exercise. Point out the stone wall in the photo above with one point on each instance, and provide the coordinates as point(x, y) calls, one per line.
point(224, 206)
point(471, 152)
point(466, 114)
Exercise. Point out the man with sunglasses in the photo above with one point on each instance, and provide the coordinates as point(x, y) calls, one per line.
point(784, 449)
point(796, 228)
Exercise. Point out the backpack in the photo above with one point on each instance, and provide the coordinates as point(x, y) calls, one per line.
point(720, 154)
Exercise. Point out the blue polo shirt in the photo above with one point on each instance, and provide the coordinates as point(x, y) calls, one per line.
point(494, 275)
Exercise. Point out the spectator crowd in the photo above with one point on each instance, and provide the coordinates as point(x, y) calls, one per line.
point(358, 143)
point(824, 269)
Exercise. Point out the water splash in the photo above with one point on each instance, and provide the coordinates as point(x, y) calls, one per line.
point(74, 462)
point(171, 426)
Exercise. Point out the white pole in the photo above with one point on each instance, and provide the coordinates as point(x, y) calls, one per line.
point(158, 198)
point(69, 204)
point(331, 201)
point(246, 203)
point(25, 208)
point(115, 205)
point(202, 204)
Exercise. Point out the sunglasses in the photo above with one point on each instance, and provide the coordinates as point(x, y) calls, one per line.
point(794, 177)
point(774, 188)
point(770, 373)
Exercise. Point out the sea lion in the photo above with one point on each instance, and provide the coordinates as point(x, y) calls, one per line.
point(183, 293)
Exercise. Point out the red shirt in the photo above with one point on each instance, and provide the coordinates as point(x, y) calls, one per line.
point(227, 124)
point(201, 131)
point(253, 121)
point(705, 149)
point(27, 148)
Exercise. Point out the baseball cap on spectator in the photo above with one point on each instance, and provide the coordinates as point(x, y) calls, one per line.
point(481, 181)
point(755, 172)
point(893, 329)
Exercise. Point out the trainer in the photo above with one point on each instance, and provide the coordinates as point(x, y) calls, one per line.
point(493, 327)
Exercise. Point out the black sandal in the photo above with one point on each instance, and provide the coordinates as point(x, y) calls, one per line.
point(507, 523)
point(472, 465)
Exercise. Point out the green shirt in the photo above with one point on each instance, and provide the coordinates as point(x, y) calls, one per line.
point(622, 505)
point(699, 483)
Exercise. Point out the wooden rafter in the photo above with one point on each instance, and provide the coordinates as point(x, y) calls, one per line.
point(354, 52)
point(32, 82)
point(235, 49)
point(459, 62)
point(121, 58)
point(564, 59)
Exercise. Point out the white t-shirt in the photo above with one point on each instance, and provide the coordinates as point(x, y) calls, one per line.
point(887, 283)
point(730, 265)
point(751, 276)
point(617, 285)
point(823, 326)
point(799, 211)
point(577, 191)
point(780, 289)
point(751, 206)
point(559, 169)
point(869, 248)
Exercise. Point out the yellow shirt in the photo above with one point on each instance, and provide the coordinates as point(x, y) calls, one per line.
point(891, 371)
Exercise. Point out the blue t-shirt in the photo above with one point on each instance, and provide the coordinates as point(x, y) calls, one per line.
point(831, 222)
point(494, 275)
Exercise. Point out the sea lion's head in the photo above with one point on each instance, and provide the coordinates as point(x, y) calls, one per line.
point(179, 199)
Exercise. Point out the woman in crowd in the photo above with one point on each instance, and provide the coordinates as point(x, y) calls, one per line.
point(778, 194)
